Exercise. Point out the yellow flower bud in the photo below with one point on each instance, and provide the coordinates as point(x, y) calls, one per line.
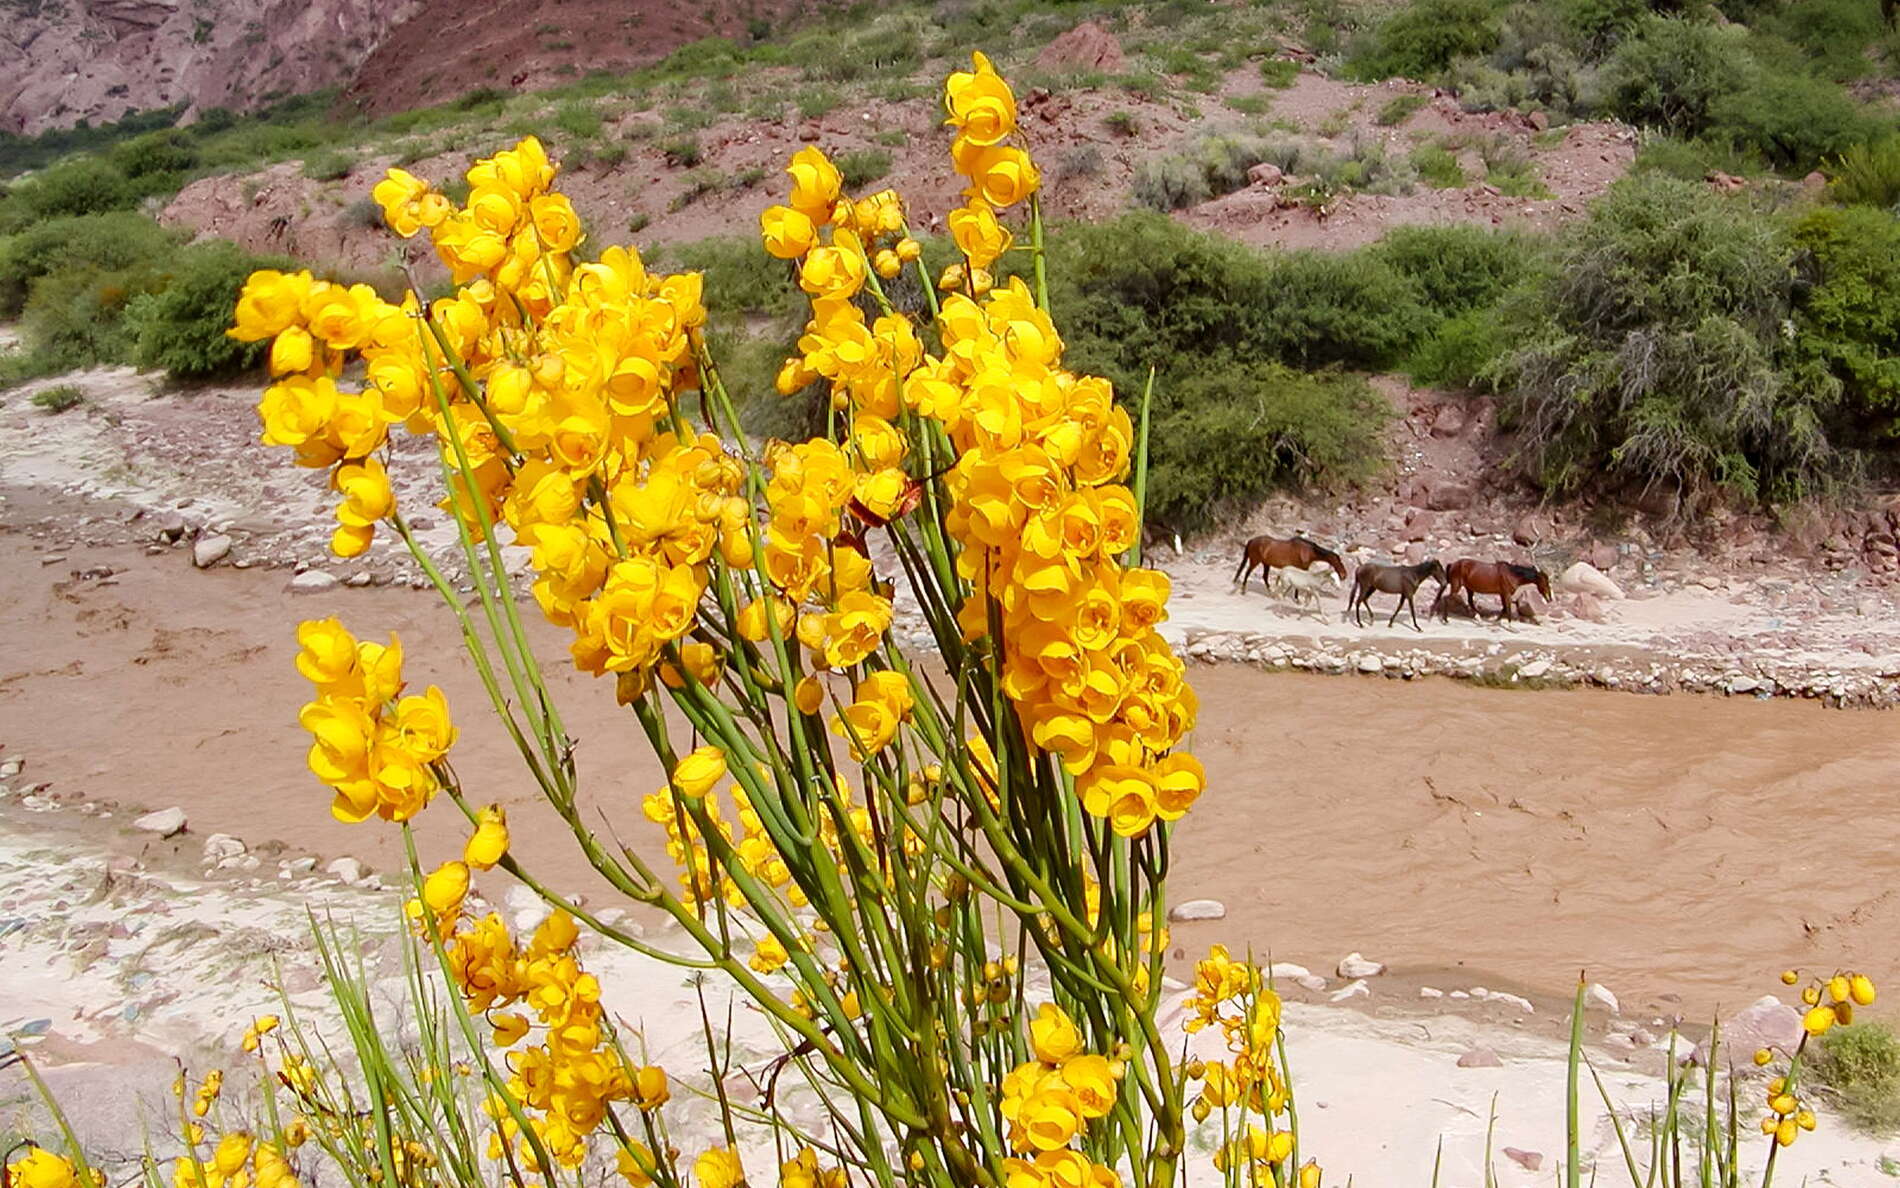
point(445, 888)
point(1789, 977)
point(1861, 990)
point(489, 842)
point(1818, 1020)
point(1763, 1056)
point(696, 774)
point(1838, 988)
point(1786, 1131)
point(808, 695)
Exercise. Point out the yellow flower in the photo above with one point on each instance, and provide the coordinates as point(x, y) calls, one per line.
point(816, 183)
point(489, 842)
point(788, 233)
point(1861, 990)
point(696, 774)
point(232, 1152)
point(650, 1090)
point(1050, 1119)
point(1002, 176)
point(808, 695)
point(769, 954)
point(1053, 1034)
point(270, 303)
point(326, 652)
point(40, 1168)
point(509, 1028)
point(632, 1162)
point(719, 1167)
point(977, 233)
point(1818, 1020)
point(1092, 1079)
point(445, 888)
point(980, 104)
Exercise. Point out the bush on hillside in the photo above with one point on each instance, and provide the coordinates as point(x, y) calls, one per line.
point(1672, 71)
point(81, 187)
point(1651, 355)
point(1849, 316)
point(1212, 166)
point(1458, 267)
point(739, 275)
point(113, 241)
point(1793, 121)
point(1321, 308)
point(1224, 438)
point(1423, 38)
point(1861, 1064)
point(1867, 174)
point(179, 327)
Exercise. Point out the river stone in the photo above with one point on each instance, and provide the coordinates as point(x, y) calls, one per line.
point(1479, 1057)
point(1430, 992)
point(1742, 685)
point(346, 868)
point(1370, 663)
point(1767, 1023)
point(222, 846)
point(312, 581)
point(1354, 965)
point(1198, 909)
point(1534, 669)
point(1597, 994)
point(1357, 989)
point(209, 550)
point(1528, 1160)
point(164, 822)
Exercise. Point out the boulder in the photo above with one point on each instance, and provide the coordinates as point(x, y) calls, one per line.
point(1448, 497)
point(1814, 182)
point(1767, 1023)
point(312, 581)
point(1198, 909)
point(1449, 422)
point(1585, 578)
point(220, 846)
point(1355, 965)
point(165, 822)
point(209, 550)
point(1265, 175)
point(1534, 669)
point(1603, 556)
point(1088, 46)
point(1597, 994)
point(1357, 989)
point(1415, 552)
point(347, 869)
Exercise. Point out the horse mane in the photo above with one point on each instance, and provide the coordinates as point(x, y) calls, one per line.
point(1524, 573)
point(1318, 548)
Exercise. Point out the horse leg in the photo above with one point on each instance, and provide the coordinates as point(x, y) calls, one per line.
point(1396, 608)
point(1413, 607)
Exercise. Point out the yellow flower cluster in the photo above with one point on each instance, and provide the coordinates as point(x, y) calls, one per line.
point(1049, 1100)
point(1039, 510)
point(1233, 996)
point(374, 748)
point(695, 776)
point(36, 1167)
point(569, 1076)
point(238, 1161)
point(982, 109)
point(552, 379)
point(1830, 1003)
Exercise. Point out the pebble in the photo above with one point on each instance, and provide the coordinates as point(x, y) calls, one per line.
point(34, 1027)
point(1528, 1160)
point(222, 846)
point(1479, 1057)
point(357, 580)
point(1354, 965)
point(164, 822)
point(347, 869)
point(209, 550)
point(1370, 664)
point(312, 581)
point(1357, 989)
point(1299, 975)
point(1597, 994)
point(300, 866)
point(1198, 909)
point(1430, 992)
point(1534, 669)
point(12, 767)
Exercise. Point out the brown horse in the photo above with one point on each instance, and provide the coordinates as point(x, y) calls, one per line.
point(1271, 553)
point(1404, 580)
point(1501, 578)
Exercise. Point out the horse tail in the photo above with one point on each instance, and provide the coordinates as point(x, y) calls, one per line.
point(1246, 555)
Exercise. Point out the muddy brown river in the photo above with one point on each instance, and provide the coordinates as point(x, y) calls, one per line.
point(1685, 846)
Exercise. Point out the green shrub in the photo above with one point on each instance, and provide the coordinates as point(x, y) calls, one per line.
point(861, 167)
point(59, 398)
point(1459, 351)
point(109, 242)
point(1651, 354)
point(1421, 39)
point(1224, 438)
point(161, 154)
point(1861, 1064)
point(1671, 71)
point(1438, 167)
point(82, 187)
point(815, 103)
point(1279, 73)
point(1867, 174)
point(1122, 123)
point(330, 165)
point(681, 153)
point(1252, 105)
point(1398, 109)
point(1849, 315)
point(1792, 120)
point(179, 327)
point(76, 318)
point(1321, 308)
point(1212, 166)
point(1460, 267)
point(580, 121)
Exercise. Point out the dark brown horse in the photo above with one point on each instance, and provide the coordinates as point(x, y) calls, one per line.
point(1404, 580)
point(1468, 577)
point(1271, 553)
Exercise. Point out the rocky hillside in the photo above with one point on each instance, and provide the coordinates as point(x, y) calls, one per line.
point(100, 60)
